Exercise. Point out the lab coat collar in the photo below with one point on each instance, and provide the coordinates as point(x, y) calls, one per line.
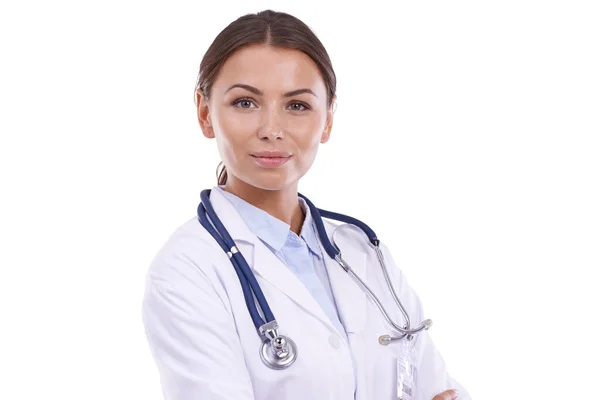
point(349, 297)
point(272, 230)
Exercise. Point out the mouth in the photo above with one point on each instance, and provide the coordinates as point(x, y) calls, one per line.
point(271, 159)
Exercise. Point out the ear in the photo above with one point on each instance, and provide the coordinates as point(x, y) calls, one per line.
point(204, 117)
point(329, 122)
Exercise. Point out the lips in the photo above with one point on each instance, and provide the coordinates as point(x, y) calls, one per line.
point(271, 159)
point(271, 154)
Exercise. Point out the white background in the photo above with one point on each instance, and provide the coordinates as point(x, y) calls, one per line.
point(466, 134)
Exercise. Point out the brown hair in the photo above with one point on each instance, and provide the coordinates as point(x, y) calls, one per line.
point(267, 27)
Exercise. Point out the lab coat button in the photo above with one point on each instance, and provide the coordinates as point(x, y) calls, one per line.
point(334, 341)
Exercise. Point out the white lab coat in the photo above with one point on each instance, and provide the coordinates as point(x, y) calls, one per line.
point(206, 346)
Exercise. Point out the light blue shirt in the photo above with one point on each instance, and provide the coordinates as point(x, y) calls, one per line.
point(301, 254)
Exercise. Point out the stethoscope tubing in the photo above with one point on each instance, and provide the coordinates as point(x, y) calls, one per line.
point(248, 281)
point(251, 289)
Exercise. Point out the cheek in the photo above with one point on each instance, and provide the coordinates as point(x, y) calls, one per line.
point(309, 137)
point(232, 132)
point(308, 144)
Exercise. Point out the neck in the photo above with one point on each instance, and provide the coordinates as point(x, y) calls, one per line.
point(281, 204)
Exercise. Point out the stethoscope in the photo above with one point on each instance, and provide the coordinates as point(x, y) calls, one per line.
point(279, 351)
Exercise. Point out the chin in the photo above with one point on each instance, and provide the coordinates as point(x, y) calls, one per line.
point(270, 181)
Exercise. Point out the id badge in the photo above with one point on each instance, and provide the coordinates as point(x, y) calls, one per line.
point(406, 371)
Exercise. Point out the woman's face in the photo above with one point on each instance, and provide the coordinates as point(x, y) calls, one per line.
point(268, 111)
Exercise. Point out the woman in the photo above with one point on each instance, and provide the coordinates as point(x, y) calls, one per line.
point(265, 92)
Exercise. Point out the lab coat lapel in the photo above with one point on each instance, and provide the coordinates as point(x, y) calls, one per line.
point(269, 267)
point(350, 298)
point(351, 301)
point(264, 263)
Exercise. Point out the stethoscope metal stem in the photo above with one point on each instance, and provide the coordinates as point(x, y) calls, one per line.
point(424, 325)
point(390, 286)
point(404, 330)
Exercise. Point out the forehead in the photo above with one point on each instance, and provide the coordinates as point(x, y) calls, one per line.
point(270, 68)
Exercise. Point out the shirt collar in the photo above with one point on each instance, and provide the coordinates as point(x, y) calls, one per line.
point(309, 231)
point(271, 230)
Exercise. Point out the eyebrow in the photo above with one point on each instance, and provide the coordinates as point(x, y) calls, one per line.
point(259, 93)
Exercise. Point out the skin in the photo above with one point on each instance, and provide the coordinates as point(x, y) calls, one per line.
point(269, 121)
point(447, 395)
point(244, 122)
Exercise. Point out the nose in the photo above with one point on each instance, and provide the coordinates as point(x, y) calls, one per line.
point(270, 127)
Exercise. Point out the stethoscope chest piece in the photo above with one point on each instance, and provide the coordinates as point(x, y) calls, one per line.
point(279, 353)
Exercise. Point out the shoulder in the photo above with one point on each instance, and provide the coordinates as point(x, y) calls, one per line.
point(182, 280)
point(187, 255)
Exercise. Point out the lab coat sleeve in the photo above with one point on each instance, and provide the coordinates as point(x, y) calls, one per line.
point(432, 375)
point(192, 335)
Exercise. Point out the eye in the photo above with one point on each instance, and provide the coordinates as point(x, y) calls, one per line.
point(297, 106)
point(243, 103)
